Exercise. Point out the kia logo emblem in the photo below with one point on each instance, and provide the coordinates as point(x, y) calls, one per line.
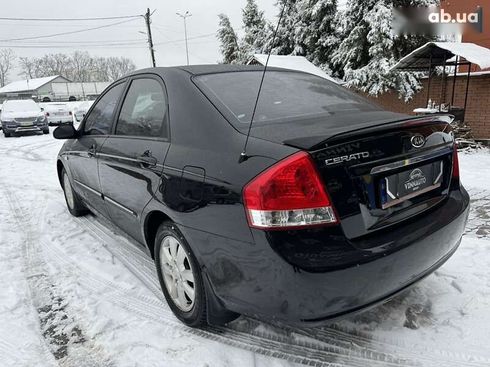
point(418, 141)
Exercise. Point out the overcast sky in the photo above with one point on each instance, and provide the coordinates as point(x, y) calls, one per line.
point(167, 27)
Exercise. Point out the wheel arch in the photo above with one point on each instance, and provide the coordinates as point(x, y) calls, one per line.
point(59, 170)
point(150, 227)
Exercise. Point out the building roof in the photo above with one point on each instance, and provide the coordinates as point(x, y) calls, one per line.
point(299, 63)
point(28, 85)
point(436, 53)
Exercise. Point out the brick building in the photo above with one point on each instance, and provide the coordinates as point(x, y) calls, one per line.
point(477, 109)
point(478, 106)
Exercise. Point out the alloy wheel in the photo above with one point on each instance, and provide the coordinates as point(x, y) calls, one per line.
point(177, 273)
point(70, 199)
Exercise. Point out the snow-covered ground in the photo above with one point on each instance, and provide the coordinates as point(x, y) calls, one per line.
point(76, 292)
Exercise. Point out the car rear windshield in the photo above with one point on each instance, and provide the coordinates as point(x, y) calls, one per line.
point(19, 106)
point(285, 96)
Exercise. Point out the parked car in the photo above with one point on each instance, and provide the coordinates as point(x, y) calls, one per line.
point(82, 110)
point(335, 206)
point(58, 114)
point(21, 116)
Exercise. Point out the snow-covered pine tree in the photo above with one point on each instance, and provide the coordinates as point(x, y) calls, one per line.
point(254, 25)
point(286, 41)
point(316, 30)
point(369, 48)
point(228, 40)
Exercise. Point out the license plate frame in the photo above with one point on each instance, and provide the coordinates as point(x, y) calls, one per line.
point(402, 186)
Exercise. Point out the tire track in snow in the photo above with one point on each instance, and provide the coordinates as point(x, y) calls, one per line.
point(341, 342)
point(26, 151)
point(156, 310)
point(10, 351)
point(479, 217)
point(59, 329)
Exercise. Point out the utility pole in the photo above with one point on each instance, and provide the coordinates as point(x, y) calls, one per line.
point(150, 39)
point(185, 16)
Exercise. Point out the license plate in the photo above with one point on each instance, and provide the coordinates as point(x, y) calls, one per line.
point(25, 124)
point(408, 184)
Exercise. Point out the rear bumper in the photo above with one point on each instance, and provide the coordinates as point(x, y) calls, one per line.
point(59, 121)
point(254, 279)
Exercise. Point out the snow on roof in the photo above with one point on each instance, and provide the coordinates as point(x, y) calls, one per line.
point(27, 85)
point(440, 51)
point(299, 63)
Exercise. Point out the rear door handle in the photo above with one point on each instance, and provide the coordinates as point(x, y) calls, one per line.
point(147, 160)
point(92, 151)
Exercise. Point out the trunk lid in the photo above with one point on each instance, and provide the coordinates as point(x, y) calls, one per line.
point(310, 132)
point(385, 173)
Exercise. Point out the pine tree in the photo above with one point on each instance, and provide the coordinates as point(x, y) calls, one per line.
point(286, 41)
point(369, 48)
point(316, 30)
point(228, 40)
point(254, 26)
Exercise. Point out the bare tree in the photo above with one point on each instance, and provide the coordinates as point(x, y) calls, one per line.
point(119, 66)
point(28, 67)
point(82, 66)
point(56, 64)
point(100, 70)
point(79, 67)
point(7, 58)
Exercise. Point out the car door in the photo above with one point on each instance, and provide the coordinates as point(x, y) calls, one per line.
point(131, 159)
point(84, 152)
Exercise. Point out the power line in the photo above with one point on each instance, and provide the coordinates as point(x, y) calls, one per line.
point(130, 44)
point(67, 33)
point(161, 28)
point(74, 47)
point(96, 44)
point(68, 19)
point(82, 45)
point(183, 40)
point(129, 41)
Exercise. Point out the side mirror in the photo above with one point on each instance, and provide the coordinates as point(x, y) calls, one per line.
point(65, 132)
point(42, 109)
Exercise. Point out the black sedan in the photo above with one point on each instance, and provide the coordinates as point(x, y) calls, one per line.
point(335, 206)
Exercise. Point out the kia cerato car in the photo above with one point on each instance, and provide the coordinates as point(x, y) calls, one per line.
point(334, 206)
point(21, 116)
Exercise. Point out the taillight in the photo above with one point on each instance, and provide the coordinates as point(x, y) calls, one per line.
point(47, 114)
point(288, 195)
point(455, 162)
point(71, 113)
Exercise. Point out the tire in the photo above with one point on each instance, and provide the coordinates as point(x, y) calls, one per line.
point(169, 242)
point(73, 202)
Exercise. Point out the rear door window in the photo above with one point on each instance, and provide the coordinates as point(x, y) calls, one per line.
point(144, 111)
point(99, 121)
point(285, 96)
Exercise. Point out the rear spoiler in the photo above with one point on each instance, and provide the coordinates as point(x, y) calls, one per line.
point(318, 142)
